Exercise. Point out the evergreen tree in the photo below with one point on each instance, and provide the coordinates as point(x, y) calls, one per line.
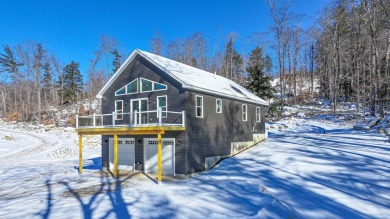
point(9, 63)
point(232, 62)
point(116, 63)
point(47, 80)
point(268, 65)
point(73, 82)
point(258, 82)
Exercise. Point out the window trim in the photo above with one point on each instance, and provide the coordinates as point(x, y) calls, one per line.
point(126, 88)
point(216, 105)
point(244, 113)
point(166, 106)
point(153, 82)
point(116, 111)
point(196, 106)
point(258, 114)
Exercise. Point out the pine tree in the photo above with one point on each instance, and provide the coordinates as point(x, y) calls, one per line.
point(232, 62)
point(73, 82)
point(258, 82)
point(47, 79)
point(9, 63)
point(116, 63)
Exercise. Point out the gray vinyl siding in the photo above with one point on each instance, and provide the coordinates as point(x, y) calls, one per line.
point(209, 136)
point(212, 135)
point(142, 68)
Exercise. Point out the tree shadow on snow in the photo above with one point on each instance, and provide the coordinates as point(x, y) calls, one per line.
point(92, 197)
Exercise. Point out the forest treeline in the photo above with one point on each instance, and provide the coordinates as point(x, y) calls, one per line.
point(342, 56)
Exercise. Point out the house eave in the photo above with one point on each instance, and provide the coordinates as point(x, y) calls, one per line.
point(191, 88)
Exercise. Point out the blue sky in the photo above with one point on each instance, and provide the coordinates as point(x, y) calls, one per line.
point(71, 29)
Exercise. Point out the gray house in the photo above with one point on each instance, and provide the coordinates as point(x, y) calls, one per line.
point(156, 106)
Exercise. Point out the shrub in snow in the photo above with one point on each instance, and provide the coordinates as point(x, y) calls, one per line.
point(8, 137)
point(360, 126)
point(373, 122)
point(387, 132)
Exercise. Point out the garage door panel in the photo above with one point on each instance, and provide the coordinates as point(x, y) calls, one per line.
point(126, 153)
point(151, 157)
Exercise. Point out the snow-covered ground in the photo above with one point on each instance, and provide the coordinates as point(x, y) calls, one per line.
point(314, 168)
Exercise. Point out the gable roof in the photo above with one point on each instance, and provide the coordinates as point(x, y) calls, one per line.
point(190, 78)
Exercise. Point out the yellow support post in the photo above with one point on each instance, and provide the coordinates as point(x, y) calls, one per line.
point(159, 161)
point(116, 155)
point(80, 154)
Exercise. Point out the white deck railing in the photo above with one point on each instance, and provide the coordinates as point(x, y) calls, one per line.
point(132, 119)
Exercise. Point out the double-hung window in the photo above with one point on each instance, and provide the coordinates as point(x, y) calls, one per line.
point(218, 106)
point(258, 118)
point(119, 109)
point(199, 106)
point(244, 112)
point(162, 103)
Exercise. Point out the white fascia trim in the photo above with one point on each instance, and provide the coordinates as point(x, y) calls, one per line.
point(163, 69)
point(225, 95)
point(117, 73)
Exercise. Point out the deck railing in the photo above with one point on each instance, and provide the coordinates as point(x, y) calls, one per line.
point(132, 119)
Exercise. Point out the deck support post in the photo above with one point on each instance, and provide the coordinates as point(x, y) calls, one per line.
point(115, 155)
point(159, 159)
point(80, 154)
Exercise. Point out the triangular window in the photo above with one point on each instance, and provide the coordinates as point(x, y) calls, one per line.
point(120, 91)
point(149, 86)
point(158, 86)
point(129, 88)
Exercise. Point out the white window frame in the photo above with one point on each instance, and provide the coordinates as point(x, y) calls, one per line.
point(196, 106)
point(216, 106)
point(158, 105)
point(244, 113)
point(258, 114)
point(126, 93)
point(116, 111)
point(153, 82)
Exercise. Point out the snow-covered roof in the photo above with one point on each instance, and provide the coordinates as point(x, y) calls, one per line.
point(191, 78)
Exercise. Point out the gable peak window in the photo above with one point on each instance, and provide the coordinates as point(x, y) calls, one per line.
point(145, 86)
point(130, 88)
point(149, 86)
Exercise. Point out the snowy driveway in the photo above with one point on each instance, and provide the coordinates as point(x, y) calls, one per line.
point(294, 174)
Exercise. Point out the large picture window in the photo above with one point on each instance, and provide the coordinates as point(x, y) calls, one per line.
point(199, 106)
point(119, 109)
point(218, 106)
point(258, 118)
point(244, 112)
point(162, 102)
point(130, 88)
point(149, 86)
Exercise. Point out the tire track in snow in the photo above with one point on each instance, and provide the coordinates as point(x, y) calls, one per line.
point(42, 143)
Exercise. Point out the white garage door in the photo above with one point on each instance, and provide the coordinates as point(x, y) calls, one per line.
point(168, 155)
point(126, 154)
